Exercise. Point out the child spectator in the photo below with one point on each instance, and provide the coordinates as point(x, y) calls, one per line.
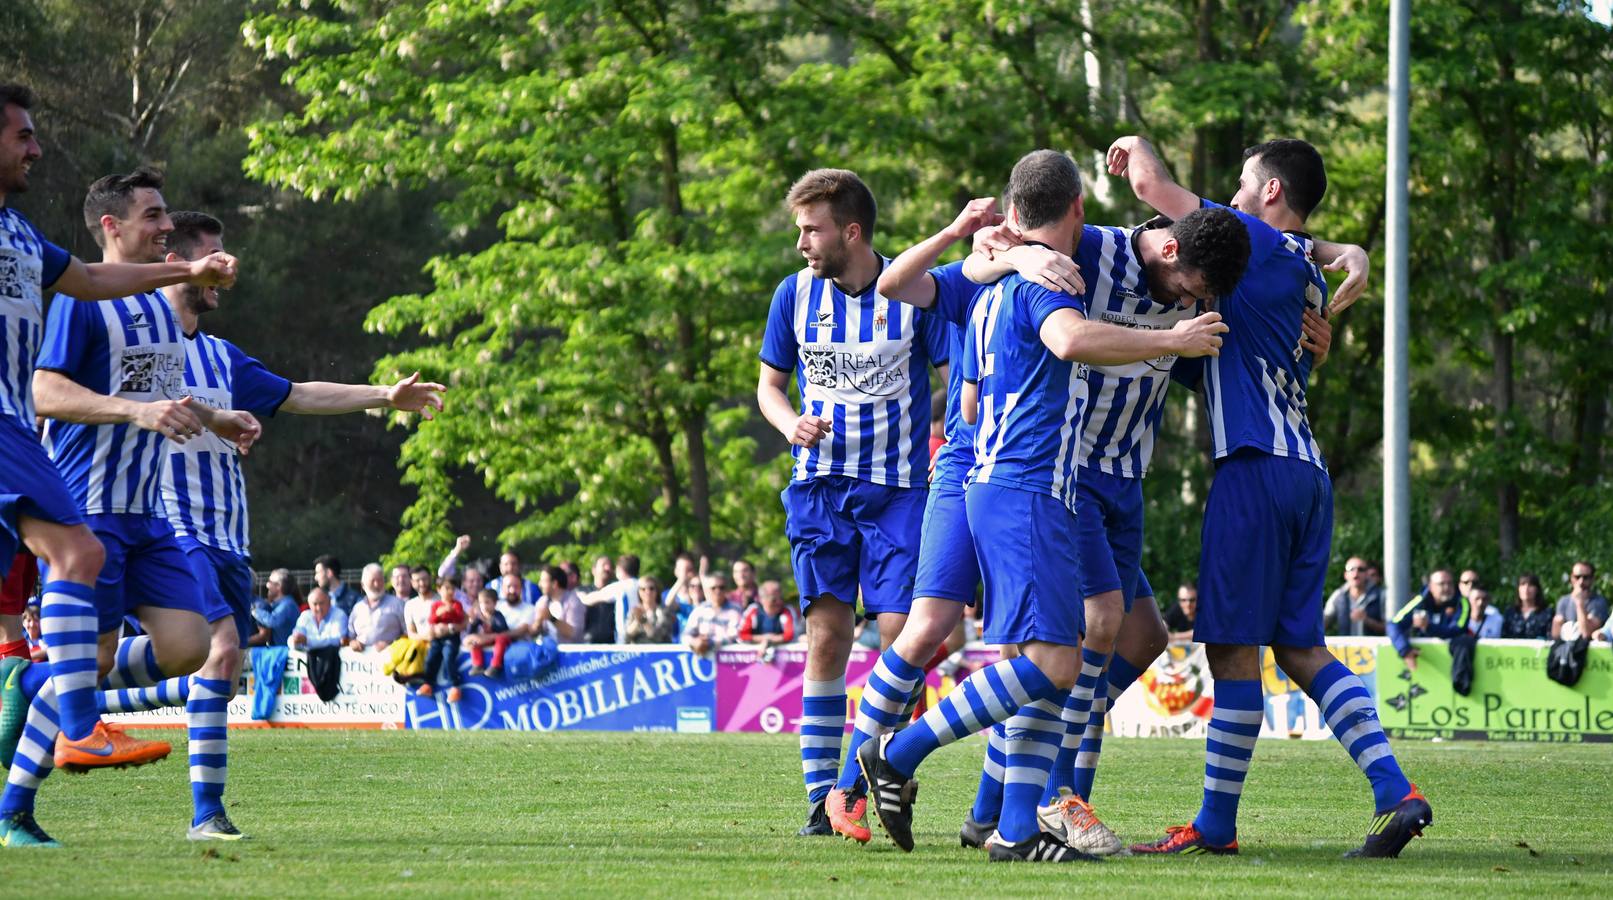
point(487, 628)
point(30, 632)
point(446, 621)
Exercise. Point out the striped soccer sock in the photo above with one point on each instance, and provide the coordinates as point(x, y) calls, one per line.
point(1352, 715)
point(165, 693)
point(989, 796)
point(989, 696)
point(207, 720)
point(36, 749)
point(1032, 738)
point(823, 727)
point(886, 695)
point(1234, 727)
point(1116, 679)
point(1077, 709)
point(68, 626)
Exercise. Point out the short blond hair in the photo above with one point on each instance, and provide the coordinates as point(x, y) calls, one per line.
point(848, 198)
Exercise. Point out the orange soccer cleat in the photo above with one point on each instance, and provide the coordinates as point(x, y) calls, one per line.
point(108, 746)
point(848, 815)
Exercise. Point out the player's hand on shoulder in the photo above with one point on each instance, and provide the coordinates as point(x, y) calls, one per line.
point(413, 395)
point(214, 270)
point(173, 419)
point(1357, 267)
point(994, 239)
point(1050, 269)
point(978, 213)
point(1317, 336)
point(1200, 335)
point(808, 430)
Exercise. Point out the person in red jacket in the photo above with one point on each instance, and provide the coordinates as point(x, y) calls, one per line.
point(768, 622)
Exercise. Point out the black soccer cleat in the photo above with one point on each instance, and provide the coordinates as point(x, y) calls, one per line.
point(1390, 832)
point(817, 823)
point(892, 792)
point(1039, 847)
point(976, 834)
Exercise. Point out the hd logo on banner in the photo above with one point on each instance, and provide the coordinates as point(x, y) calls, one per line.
point(617, 689)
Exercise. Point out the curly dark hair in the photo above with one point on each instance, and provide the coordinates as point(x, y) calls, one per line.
point(1213, 241)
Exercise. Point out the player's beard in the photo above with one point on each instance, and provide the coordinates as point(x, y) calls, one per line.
point(832, 264)
point(195, 299)
point(1157, 272)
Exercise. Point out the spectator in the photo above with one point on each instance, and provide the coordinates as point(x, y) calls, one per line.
point(403, 582)
point(1529, 619)
point(509, 569)
point(328, 575)
point(1468, 583)
point(683, 574)
point(487, 628)
point(682, 599)
point(1583, 608)
point(1375, 574)
point(601, 571)
point(573, 575)
point(450, 563)
point(377, 620)
point(1439, 611)
point(276, 614)
point(745, 588)
point(525, 619)
point(768, 622)
point(417, 611)
point(714, 622)
point(472, 580)
point(31, 631)
point(446, 621)
point(621, 595)
point(322, 624)
point(1180, 618)
point(1486, 620)
point(1357, 606)
point(649, 622)
point(566, 610)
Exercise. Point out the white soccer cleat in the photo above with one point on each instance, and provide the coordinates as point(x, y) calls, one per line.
point(216, 827)
point(1071, 819)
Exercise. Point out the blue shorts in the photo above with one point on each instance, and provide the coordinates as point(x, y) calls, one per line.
point(144, 567)
point(30, 486)
point(1268, 530)
point(846, 533)
point(1027, 544)
point(948, 568)
point(1109, 521)
point(1144, 589)
point(225, 580)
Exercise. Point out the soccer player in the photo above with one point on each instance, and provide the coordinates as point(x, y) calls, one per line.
point(856, 495)
point(1020, 497)
point(36, 509)
point(204, 492)
point(1268, 520)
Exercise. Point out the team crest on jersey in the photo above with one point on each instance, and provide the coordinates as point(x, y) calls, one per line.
point(11, 278)
point(881, 313)
point(139, 373)
point(820, 366)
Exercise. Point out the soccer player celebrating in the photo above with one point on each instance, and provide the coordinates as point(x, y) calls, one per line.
point(1268, 520)
point(856, 495)
point(204, 491)
point(1021, 494)
point(109, 377)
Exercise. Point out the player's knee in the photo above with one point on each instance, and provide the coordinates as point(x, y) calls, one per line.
point(182, 653)
point(223, 658)
point(79, 558)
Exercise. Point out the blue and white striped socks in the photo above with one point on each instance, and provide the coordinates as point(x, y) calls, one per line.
point(168, 692)
point(36, 749)
point(823, 727)
point(989, 796)
point(1230, 744)
point(1076, 711)
point(69, 628)
point(890, 688)
point(1353, 717)
point(989, 696)
point(1033, 737)
point(207, 717)
point(1116, 679)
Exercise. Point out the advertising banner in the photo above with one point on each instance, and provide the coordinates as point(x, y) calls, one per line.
point(664, 688)
point(367, 699)
point(1511, 698)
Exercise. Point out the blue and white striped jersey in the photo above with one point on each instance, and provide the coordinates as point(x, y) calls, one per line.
point(203, 487)
point(1030, 400)
point(861, 361)
point(1124, 403)
point(1255, 390)
point(28, 265)
point(129, 348)
point(955, 297)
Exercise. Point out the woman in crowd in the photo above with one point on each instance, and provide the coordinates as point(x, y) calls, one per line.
point(1530, 618)
point(649, 622)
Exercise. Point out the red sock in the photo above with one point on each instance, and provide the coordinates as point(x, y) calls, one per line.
point(940, 657)
point(17, 648)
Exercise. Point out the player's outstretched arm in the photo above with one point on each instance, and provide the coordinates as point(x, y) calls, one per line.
point(107, 281)
point(1134, 159)
point(802, 430)
point(907, 277)
point(325, 398)
point(1075, 338)
point(1357, 267)
point(58, 397)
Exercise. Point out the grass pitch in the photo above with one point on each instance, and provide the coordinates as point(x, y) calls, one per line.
point(625, 815)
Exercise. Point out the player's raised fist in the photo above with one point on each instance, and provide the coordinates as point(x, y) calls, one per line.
point(809, 429)
point(978, 213)
point(1119, 156)
point(214, 270)
point(1200, 335)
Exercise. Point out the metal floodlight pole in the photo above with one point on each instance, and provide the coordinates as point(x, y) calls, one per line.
point(1397, 322)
